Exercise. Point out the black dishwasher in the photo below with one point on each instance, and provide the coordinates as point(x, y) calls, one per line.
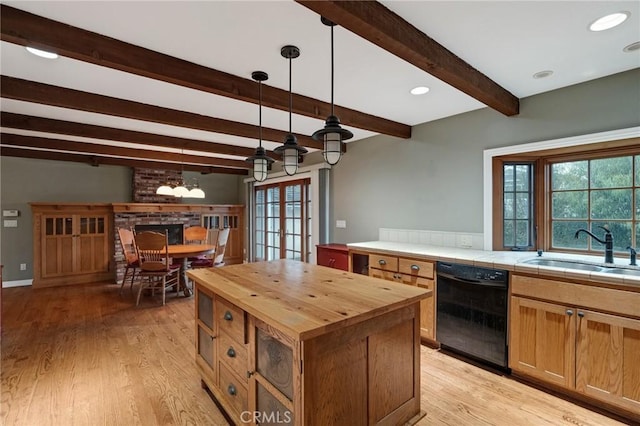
point(471, 312)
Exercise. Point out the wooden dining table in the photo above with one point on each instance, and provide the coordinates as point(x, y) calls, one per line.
point(184, 252)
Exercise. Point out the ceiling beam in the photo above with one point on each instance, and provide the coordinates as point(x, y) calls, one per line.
point(97, 160)
point(47, 125)
point(382, 27)
point(9, 139)
point(23, 28)
point(31, 91)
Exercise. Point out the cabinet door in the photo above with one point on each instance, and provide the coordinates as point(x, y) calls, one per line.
point(542, 341)
point(205, 335)
point(57, 245)
point(385, 275)
point(91, 250)
point(608, 359)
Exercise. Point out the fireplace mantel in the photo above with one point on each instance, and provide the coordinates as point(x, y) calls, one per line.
point(167, 208)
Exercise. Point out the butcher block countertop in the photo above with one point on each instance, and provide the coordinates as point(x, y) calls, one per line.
point(303, 300)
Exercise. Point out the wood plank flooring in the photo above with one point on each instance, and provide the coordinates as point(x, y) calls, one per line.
point(83, 355)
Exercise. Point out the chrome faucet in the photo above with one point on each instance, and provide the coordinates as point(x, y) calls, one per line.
point(632, 257)
point(608, 242)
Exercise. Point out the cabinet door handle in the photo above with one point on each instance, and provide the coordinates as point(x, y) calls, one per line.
point(228, 316)
point(382, 262)
point(231, 353)
point(232, 390)
point(580, 314)
point(249, 374)
point(415, 268)
point(569, 312)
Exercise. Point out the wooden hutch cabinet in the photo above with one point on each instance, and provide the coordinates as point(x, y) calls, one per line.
point(232, 217)
point(72, 243)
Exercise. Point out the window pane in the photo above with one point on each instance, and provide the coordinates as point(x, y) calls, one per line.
point(509, 233)
point(638, 204)
point(563, 235)
point(611, 172)
point(509, 212)
point(260, 196)
point(522, 205)
point(611, 204)
point(621, 232)
point(570, 175)
point(522, 233)
point(569, 205)
point(509, 177)
point(637, 170)
point(637, 235)
point(522, 177)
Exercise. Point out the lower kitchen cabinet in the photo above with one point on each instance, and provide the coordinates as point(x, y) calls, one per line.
point(409, 271)
point(333, 255)
point(574, 346)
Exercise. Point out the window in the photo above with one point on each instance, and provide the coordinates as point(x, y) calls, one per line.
point(517, 206)
point(591, 194)
point(541, 200)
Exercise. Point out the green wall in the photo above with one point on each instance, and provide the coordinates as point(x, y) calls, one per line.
point(433, 181)
point(25, 180)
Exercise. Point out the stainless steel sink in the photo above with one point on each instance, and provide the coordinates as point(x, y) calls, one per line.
point(567, 264)
point(622, 271)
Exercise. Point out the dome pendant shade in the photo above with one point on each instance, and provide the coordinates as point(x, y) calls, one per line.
point(164, 190)
point(261, 164)
point(180, 191)
point(332, 135)
point(290, 150)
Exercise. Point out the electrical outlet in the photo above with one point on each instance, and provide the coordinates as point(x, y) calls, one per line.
point(23, 266)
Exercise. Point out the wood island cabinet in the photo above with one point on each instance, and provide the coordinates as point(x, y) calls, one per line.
point(409, 271)
point(580, 337)
point(72, 243)
point(285, 342)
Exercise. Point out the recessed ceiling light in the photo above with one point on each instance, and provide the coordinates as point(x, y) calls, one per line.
point(543, 74)
point(609, 21)
point(42, 53)
point(420, 90)
point(633, 47)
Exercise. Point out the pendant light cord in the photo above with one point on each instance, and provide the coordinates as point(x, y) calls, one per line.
point(260, 113)
point(332, 112)
point(290, 95)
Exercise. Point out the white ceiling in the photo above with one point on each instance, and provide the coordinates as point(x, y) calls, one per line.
point(508, 41)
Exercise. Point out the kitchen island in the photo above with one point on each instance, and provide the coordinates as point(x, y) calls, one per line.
point(292, 343)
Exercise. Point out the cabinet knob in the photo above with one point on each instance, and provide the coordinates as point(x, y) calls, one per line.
point(580, 314)
point(415, 268)
point(231, 353)
point(228, 316)
point(382, 262)
point(232, 390)
point(249, 374)
point(569, 312)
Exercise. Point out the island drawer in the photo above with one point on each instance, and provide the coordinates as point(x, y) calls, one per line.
point(231, 320)
point(234, 391)
point(233, 354)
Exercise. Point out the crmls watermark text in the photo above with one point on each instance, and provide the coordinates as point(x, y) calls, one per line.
point(263, 417)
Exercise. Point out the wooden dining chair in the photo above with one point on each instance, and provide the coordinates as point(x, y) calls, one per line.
point(155, 264)
point(216, 259)
point(131, 256)
point(195, 235)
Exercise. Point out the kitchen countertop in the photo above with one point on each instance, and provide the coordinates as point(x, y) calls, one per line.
point(509, 260)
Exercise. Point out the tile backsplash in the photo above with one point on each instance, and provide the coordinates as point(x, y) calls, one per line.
point(432, 238)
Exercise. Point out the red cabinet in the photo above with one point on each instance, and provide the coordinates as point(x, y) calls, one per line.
point(333, 255)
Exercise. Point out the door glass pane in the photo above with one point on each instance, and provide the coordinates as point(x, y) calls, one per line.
point(68, 226)
point(92, 225)
point(49, 226)
point(101, 225)
point(84, 225)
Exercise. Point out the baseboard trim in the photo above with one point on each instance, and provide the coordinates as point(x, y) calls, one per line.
point(16, 283)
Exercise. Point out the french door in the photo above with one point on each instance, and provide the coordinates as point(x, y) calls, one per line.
point(283, 221)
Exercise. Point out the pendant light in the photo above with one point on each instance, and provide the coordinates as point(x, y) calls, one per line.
point(332, 134)
point(261, 163)
point(290, 150)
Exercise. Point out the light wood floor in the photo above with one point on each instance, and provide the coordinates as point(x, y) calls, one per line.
point(83, 355)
